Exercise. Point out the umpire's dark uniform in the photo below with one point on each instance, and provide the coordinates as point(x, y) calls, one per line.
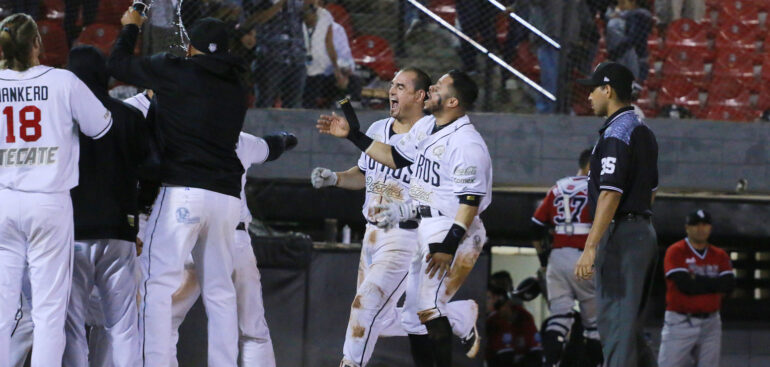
point(625, 160)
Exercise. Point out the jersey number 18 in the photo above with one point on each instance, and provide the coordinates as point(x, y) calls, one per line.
point(29, 117)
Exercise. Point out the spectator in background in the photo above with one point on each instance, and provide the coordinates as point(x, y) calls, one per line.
point(668, 11)
point(477, 20)
point(72, 9)
point(321, 57)
point(628, 28)
point(29, 7)
point(280, 51)
point(511, 332)
point(348, 83)
point(243, 44)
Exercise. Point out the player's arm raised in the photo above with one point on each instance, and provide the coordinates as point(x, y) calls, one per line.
point(339, 127)
point(124, 65)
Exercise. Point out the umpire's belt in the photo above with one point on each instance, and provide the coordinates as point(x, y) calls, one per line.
point(571, 229)
point(407, 224)
point(425, 211)
point(631, 217)
point(241, 226)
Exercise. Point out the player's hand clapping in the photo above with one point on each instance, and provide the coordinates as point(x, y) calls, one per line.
point(333, 125)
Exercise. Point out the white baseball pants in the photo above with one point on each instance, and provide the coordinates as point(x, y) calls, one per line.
point(256, 347)
point(564, 289)
point(188, 221)
point(685, 340)
point(36, 229)
point(108, 267)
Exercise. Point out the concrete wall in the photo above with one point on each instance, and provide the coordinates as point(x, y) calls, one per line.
point(533, 150)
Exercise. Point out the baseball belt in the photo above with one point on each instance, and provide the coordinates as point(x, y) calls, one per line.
point(425, 211)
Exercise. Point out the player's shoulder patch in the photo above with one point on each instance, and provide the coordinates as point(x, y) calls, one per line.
point(622, 127)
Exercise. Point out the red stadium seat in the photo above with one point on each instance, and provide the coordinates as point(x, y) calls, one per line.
point(341, 17)
point(763, 5)
point(445, 9)
point(526, 61)
point(728, 113)
point(728, 92)
point(55, 48)
point(737, 35)
point(735, 65)
point(763, 102)
point(764, 75)
point(685, 62)
point(53, 9)
point(111, 11)
point(101, 36)
point(375, 53)
point(501, 27)
point(687, 33)
point(745, 11)
point(680, 92)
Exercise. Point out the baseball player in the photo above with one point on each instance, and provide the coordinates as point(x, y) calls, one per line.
point(200, 112)
point(104, 204)
point(450, 185)
point(255, 344)
point(565, 210)
point(698, 275)
point(386, 254)
point(43, 108)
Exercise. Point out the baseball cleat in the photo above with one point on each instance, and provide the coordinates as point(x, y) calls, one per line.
point(472, 341)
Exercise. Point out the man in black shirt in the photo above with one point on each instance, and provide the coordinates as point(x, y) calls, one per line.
point(200, 106)
point(621, 188)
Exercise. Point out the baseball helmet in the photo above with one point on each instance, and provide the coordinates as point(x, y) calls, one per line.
point(528, 289)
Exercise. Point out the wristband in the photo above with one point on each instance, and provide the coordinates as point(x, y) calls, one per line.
point(360, 140)
point(451, 241)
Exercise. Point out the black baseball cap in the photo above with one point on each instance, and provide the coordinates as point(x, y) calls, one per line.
point(209, 35)
point(698, 216)
point(611, 73)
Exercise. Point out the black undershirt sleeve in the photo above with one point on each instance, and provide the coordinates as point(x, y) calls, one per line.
point(703, 285)
point(398, 159)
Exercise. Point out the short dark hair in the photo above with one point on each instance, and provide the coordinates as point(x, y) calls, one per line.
point(465, 88)
point(585, 157)
point(422, 79)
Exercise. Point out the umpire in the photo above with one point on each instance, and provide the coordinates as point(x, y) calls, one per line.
point(200, 108)
point(622, 183)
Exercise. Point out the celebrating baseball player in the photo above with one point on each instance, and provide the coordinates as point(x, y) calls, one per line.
point(43, 109)
point(621, 188)
point(387, 253)
point(200, 112)
point(565, 209)
point(698, 275)
point(449, 187)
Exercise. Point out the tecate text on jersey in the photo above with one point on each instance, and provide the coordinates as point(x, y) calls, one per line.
point(28, 156)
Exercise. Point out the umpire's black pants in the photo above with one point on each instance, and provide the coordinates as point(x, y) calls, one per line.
point(624, 264)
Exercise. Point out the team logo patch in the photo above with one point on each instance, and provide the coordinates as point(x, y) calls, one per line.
point(439, 151)
point(690, 261)
point(183, 216)
point(477, 241)
point(212, 47)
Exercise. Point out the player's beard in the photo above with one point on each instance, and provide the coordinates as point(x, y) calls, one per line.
point(437, 107)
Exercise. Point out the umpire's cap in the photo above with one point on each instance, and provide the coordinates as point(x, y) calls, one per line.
point(528, 289)
point(611, 73)
point(209, 35)
point(698, 216)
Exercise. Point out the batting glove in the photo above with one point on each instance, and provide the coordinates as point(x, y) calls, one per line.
point(322, 177)
point(390, 214)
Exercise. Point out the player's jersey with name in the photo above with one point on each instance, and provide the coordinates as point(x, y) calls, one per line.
point(383, 184)
point(250, 150)
point(41, 111)
point(448, 161)
point(552, 212)
point(682, 257)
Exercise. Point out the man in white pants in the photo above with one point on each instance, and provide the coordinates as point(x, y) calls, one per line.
point(387, 253)
point(39, 152)
point(450, 186)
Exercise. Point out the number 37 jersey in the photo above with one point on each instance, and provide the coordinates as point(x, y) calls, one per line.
point(448, 162)
point(41, 111)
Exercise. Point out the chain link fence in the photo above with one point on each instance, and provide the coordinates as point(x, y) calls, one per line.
point(692, 58)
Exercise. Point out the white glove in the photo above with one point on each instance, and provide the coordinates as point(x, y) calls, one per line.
point(322, 177)
point(390, 214)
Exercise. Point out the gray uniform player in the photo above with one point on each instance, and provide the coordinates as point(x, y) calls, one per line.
point(565, 211)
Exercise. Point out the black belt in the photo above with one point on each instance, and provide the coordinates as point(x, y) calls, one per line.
point(407, 224)
point(241, 226)
point(425, 211)
point(631, 217)
point(701, 315)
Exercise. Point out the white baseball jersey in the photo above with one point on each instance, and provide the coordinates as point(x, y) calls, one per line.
point(41, 110)
point(449, 161)
point(383, 182)
point(250, 150)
